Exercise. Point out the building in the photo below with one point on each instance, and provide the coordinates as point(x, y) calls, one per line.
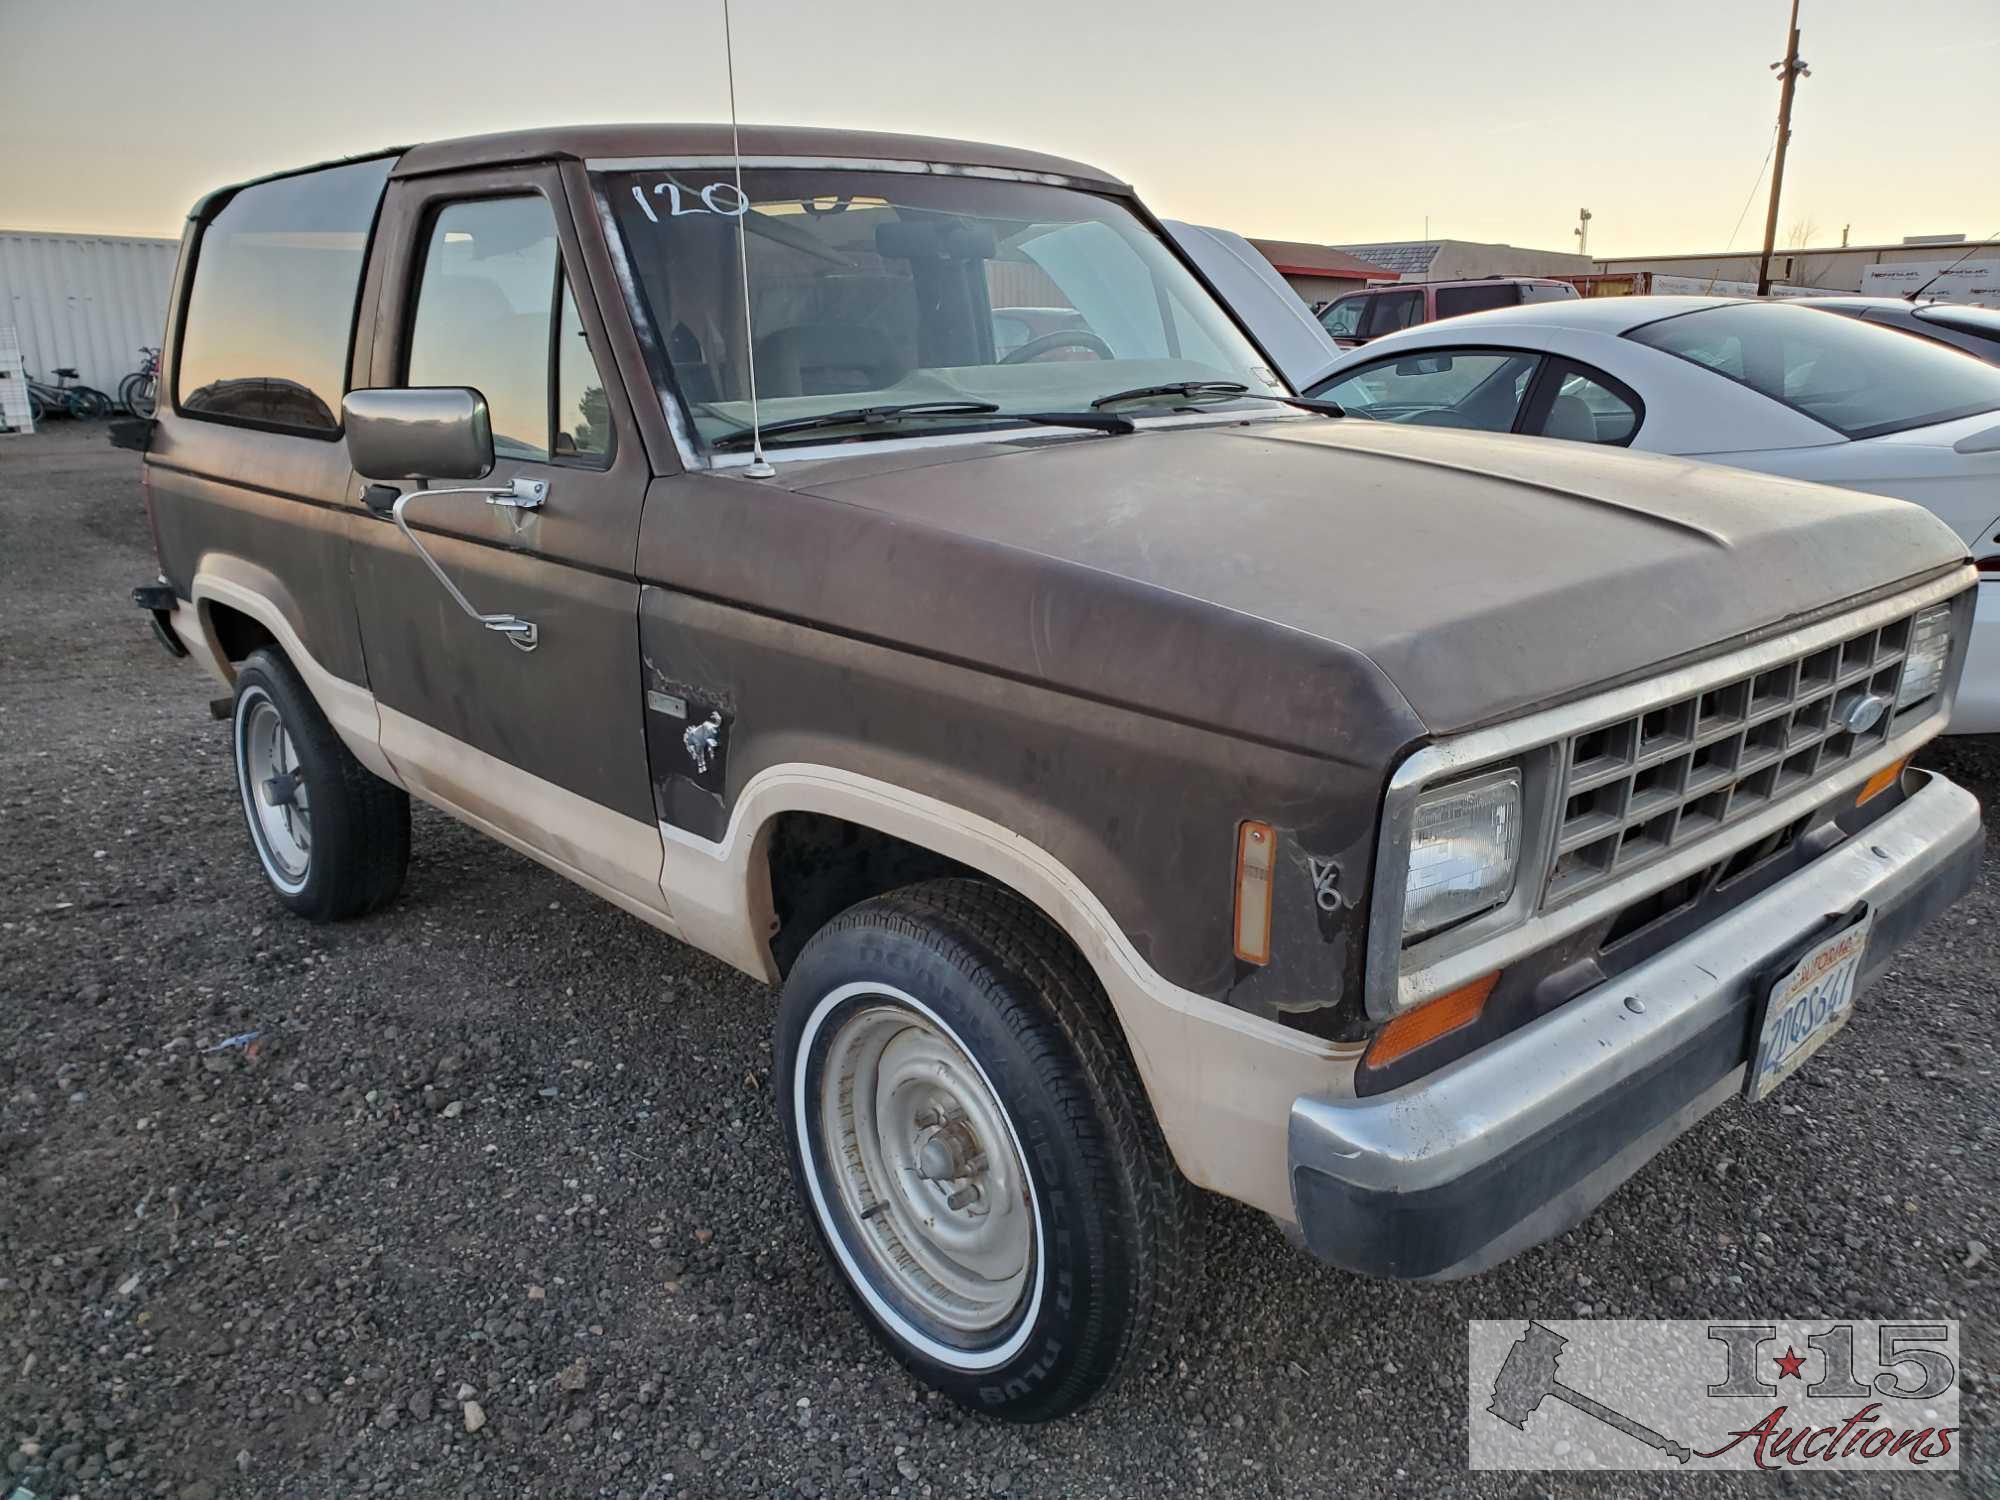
point(85, 300)
point(1319, 273)
point(1466, 260)
point(1880, 270)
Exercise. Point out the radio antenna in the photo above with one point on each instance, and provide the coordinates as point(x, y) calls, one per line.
point(760, 467)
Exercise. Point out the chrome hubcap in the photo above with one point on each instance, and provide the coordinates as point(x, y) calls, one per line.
point(924, 1160)
point(274, 791)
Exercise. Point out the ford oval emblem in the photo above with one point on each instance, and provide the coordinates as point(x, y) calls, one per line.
point(1858, 712)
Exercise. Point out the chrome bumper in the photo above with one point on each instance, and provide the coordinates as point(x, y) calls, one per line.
point(1456, 1171)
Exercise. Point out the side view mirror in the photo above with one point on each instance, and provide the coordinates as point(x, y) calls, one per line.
point(423, 432)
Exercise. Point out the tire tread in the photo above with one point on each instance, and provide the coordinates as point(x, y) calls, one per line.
point(1001, 941)
point(366, 833)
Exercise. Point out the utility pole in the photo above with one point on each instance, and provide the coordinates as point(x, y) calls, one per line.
point(1789, 72)
point(1582, 231)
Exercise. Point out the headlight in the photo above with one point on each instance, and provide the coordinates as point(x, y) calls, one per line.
point(1465, 846)
point(1923, 664)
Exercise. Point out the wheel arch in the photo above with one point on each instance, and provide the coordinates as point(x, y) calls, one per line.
point(1220, 1080)
point(238, 606)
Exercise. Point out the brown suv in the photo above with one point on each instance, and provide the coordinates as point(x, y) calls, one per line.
point(1353, 320)
point(1137, 783)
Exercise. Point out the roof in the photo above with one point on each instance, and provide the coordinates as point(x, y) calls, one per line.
point(1610, 315)
point(1302, 258)
point(1405, 258)
point(611, 142)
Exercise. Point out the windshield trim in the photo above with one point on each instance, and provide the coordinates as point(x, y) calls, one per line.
point(1855, 435)
point(855, 164)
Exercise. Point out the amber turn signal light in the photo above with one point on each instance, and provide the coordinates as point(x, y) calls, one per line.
point(1431, 1020)
point(1881, 781)
point(1256, 852)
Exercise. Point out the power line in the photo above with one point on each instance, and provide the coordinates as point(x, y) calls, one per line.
point(1751, 196)
point(1748, 198)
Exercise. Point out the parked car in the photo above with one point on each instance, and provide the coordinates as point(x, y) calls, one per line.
point(1360, 316)
point(1779, 387)
point(1975, 330)
point(1136, 784)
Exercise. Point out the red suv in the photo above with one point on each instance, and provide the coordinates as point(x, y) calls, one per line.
point(1361, 316)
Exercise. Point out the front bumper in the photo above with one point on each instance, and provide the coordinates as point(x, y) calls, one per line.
point(1454, 1172)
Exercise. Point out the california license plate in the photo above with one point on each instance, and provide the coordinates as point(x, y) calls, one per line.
point(1806, 1006)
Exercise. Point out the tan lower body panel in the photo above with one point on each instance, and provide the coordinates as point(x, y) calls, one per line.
point(348, 706)
point(605, 852)
point(1221, 1081)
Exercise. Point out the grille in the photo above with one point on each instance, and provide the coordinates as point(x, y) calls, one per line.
point(1638, 788)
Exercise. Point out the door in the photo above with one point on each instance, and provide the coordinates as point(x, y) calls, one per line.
point(482, 287)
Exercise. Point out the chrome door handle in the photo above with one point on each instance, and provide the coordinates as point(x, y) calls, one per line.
point(518, 494)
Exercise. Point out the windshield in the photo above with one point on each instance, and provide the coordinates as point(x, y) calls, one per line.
point(873, 289)
point(1343, 318)
point(1859, 380)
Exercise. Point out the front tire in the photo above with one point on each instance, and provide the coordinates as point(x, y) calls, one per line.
point(975, 1149)
point(332, 837)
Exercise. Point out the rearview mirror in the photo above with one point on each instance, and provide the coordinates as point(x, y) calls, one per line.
point(1424, 364)
point(424, 432)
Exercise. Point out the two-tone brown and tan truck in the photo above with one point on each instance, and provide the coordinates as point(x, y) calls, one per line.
point(1139, 782)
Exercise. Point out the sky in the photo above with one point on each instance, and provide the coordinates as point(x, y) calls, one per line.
point(1333, 122)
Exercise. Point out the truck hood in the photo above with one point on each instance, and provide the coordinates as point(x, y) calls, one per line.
point(1483, 575)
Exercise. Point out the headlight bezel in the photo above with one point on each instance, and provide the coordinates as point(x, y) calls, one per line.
point(1938, 616)
point(1435, 769)
point(1502, 780)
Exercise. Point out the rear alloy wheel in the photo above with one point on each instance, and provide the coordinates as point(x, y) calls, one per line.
point(976, 1151)
point(333, 838)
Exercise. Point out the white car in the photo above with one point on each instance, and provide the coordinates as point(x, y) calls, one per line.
point(1761, 385)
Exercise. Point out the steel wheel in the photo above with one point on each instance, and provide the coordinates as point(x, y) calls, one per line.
point(938, 1209)
point(275, 798)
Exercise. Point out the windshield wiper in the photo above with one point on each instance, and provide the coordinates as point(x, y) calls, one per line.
point(1219, 390)
point(866, 416)
point(1212, 388)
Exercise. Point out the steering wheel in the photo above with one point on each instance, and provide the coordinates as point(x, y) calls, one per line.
point(1062, 338)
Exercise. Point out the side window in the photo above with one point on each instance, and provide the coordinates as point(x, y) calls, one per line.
point(583, 414)
point(491, 301)
point(1479, 389)
point(1389, 311)
point(1588, 407)
point(1343, 318)
point(269, 324)
point(1453, 300)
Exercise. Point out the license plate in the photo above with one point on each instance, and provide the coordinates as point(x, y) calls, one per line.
point(1806, 1006)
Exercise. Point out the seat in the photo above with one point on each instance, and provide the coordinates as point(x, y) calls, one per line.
point(1570, 417)
point(67, 372)
point(815, 359)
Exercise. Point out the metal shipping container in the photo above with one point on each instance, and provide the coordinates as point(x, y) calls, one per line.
point(87, 300)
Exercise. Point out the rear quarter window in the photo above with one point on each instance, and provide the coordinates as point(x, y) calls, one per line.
point(269, 324)
point(1453, 300)
point(1860, 380)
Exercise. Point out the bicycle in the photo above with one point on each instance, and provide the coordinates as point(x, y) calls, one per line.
point(81, 402)
point(139, 392)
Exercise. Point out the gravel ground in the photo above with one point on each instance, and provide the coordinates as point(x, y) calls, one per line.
point(503, 1153)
